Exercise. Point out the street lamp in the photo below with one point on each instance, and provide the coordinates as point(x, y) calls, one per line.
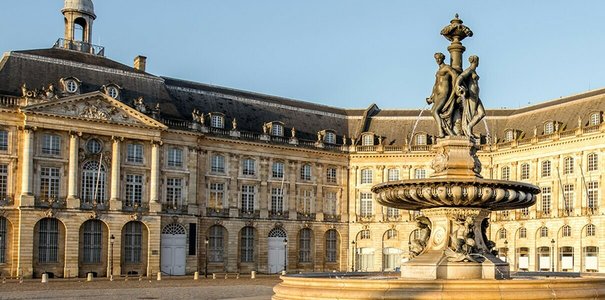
point(552, 259)
point(285, 255)
point(112, 239)
point(206, 242)
point(352, 256)
point(505, 251)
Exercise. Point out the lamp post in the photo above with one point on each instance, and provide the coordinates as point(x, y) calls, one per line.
point(285, 255)
point(552, 259)
point(112, 239)
point(206, 242)
point(352, 256)
point(505, 251)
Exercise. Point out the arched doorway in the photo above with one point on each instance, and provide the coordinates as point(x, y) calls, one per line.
point(277, 250)
point(49, 248)
point(93, 248)
point(174, 243)
point(134, 248)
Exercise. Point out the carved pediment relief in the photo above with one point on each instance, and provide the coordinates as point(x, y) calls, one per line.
point(94, 106)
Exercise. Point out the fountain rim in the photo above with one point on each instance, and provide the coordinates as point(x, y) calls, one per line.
point(457, 180)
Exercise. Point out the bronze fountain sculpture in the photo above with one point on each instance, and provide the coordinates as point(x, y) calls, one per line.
point(451, 257)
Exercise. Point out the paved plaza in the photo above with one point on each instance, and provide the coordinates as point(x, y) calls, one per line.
point(169, 288)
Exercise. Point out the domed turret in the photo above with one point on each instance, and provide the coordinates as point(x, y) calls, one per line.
point(79, 16)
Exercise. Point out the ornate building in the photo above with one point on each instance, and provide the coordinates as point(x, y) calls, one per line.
point(109, 169)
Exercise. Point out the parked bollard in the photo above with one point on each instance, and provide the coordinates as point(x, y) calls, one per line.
point(213, 276)
point(196, 275)
point(110, 277)
point(253, 275)
point(283, 272)
point(159, 276)
point(89, 276)
point(44, 278)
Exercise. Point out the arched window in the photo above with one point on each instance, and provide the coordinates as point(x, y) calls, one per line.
point(509, 135)
point(3, 238)
point(524, 171)
point(79, 30)
point(593, 162)
point(391, 234)
point(543, 231)
point(568, 163)
point(502, 234)
point(94, 146)
point(48, 241)
point(305, 172)
point(331, 246)
point(566, 231)
point(330, 137)
point(304, 245)
point(217, 121)
point(93, 182)
point(591, 230)
point(133, 242)
point(367, 140)
point(366, 176)
point(247, 244)
point(216, 243)
point(549, 127)
point(92, 241)
point(505, 173)
point(595, 119)
point(277, 129)
point(249, 167)
point(545, 168)
point(522, 233)
point(421, 139)
point(218, 164)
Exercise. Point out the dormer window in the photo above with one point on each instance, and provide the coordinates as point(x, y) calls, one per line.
point(330, 137)
point(217, 120)
point(71, 85)
point(549, 127)
point(421, 139)
point(112, 91)
point(509, 135)
point(277, 129)
point(367, 140)
point(595, 119)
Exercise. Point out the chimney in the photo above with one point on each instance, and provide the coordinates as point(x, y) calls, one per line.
point(140, 62)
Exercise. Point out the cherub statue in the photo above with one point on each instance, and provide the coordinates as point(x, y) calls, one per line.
point(418, 245)
point(234, 124)
point(293, 132)
point(139, 105)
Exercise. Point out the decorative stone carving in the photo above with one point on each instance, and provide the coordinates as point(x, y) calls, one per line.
point(140, 106)
point(418, 245)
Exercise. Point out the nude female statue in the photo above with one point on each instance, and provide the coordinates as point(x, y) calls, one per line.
point(467, 88)
point(442, 96)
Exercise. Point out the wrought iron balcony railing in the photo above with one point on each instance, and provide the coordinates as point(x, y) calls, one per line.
point(80, 46)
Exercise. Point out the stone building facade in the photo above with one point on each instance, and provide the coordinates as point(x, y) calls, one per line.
point(111, 170)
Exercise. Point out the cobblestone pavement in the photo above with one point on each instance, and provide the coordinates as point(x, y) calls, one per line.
point(260, 288)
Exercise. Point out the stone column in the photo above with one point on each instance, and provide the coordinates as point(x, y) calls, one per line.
point(27, 172)
point(232, 193)
point(72, 179)
point(115, 202)
point(380, 209)
point(263, 189)
point(192, 166)
point(292, 172)
point(319, 198)
point(154, 180)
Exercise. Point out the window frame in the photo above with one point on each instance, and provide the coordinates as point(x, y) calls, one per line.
point(217, 163)
point(135, 153)
point(174, 157)
point(51, 144)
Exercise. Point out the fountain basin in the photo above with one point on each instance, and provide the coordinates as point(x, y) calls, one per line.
point(347, 286)
point(492, 194)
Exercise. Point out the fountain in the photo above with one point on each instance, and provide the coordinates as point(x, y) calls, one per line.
point(452, 257)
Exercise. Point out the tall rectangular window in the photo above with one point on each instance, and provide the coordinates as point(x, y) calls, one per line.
point(3, 181)
point(393, 174)
point(545, 168)
point(304, 249)
point(248, 167)
point(546, 200)
point(92, 242)
point(392, 212)
point(3, 140)
point(134, 153)
point(366, 209)
point(217, 195)
point(51, 144)
point(277, 170)
point(277, 200)
point(505, 173)
point(133, 242)
point(247, 244)
point(134, 190)
point(49, 183)
point(217, 121)
point(305, 172)
point(419, 173)
point(593, 195)
point(174, 192)
point(568, 164)
point(175, 157)
point(248, 198)
point(331, 175)
point(306, 200)
point(216, 244)
point(331, 246)
point(48, 241)
point(218, 164)
point(568, 198)
point(593, 162)
point(366, 176)
point(330, 203)
point(2, 240)
point(524, 171)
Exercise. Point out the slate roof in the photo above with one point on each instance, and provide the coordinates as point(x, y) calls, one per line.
point(178, 98)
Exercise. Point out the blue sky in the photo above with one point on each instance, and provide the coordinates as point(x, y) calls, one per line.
point(344, 53)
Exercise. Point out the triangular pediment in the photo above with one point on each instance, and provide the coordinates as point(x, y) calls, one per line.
point(96, 107)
